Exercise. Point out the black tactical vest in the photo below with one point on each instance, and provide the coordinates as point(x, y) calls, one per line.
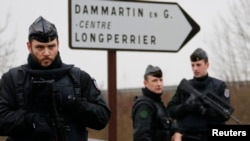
point(161, 124)
point(68, 85)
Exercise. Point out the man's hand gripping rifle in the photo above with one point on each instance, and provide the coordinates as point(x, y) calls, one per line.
point(210, 99)
point(59, 123)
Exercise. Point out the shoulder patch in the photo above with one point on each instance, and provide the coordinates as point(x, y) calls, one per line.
point(143, 114)
point(226, 93)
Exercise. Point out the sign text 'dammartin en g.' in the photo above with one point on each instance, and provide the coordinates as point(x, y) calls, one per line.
point(129, 25)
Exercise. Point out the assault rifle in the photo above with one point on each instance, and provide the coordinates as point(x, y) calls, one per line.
point(210, 99)
point(59, 123)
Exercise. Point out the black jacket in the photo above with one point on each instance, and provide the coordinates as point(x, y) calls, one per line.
point(92, 112)
point(151, 121)
point(193, 120)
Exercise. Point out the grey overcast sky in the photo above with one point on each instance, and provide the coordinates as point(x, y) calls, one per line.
point(130, 64)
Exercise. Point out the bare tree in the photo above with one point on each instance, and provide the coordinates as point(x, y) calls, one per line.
point(231, 43)
point(230, 54)
point(6, 46)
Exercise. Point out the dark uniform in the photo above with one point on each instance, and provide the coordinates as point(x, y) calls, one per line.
point(30, 111)
point(194, 117)
point(151, 121)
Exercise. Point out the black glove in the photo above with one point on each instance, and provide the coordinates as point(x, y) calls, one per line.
point(41, 130)
point(192, 103)
point(195, 105)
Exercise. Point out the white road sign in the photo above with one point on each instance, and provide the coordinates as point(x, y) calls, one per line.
point(129, 25)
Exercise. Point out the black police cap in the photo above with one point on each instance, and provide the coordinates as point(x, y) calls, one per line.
point(198, 55)
point(154, 71)
point(42, 30)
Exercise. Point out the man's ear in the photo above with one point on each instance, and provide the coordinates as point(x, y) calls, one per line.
point(207, 64)
point(28, 46)
point(145, 82)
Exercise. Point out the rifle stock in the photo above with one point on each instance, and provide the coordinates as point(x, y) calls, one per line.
point(210, 99)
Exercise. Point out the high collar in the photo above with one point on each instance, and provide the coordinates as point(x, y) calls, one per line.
point(148, 93)
point(201, 78)
point(55, 71)
point(201, 83)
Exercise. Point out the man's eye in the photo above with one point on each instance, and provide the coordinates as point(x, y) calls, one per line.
point(51, 47)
